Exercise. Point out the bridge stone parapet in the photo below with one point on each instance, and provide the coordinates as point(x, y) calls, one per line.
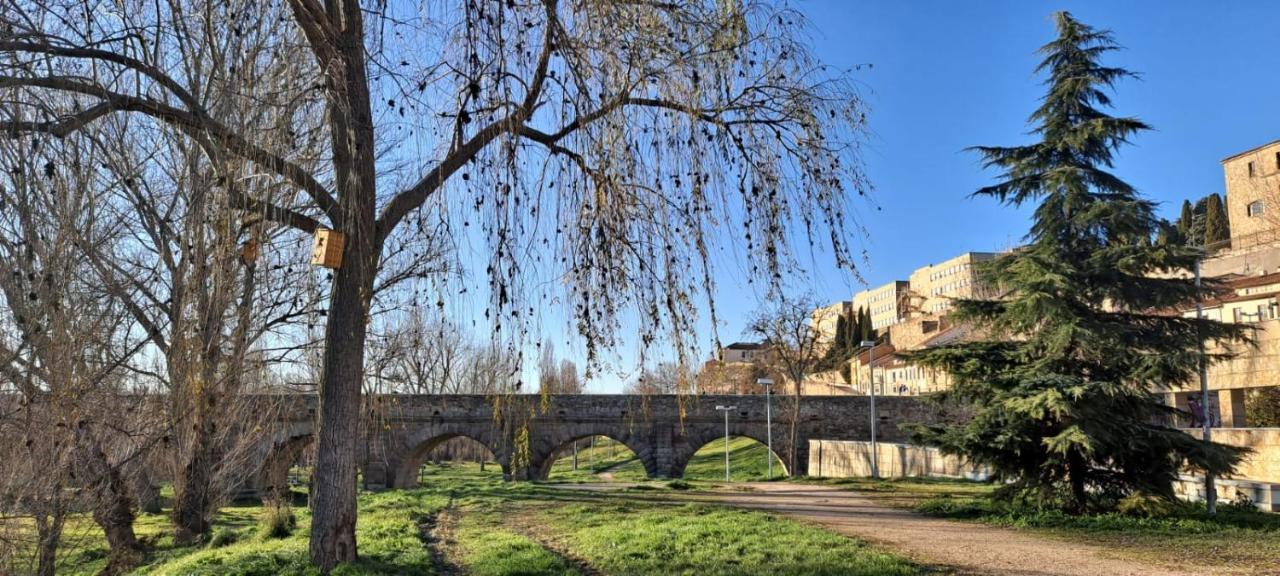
point(527, 433)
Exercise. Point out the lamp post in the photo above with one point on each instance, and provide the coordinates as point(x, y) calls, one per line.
point(1210, 493)
point(871, 387)
point(726, 410)
point(768, 420)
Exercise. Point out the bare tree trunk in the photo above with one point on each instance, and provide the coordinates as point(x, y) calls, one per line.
point(145, 491)
point(795, 419)
point(49, 535)
point(191, 491)
point(112, 506)
point(333, 524)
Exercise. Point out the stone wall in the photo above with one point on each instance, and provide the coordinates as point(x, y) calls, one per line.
point(850, 459)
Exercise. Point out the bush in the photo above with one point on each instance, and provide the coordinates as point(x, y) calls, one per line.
point(1262, 407)
point(277, 520)
point(223, 537)
point(679, 485)
point(1146, 506)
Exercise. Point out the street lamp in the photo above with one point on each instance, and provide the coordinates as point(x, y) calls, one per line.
point(768, 419)
point(726, 410)
point(1210, 493)
point(871, 368)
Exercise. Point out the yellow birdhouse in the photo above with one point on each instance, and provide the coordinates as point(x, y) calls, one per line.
point(327, 250)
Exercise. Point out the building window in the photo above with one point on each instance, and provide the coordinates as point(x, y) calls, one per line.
point(1255, 208)
point(1251, 169)
point(1277, 160)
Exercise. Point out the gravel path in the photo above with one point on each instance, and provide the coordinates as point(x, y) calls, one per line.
point(955, 547)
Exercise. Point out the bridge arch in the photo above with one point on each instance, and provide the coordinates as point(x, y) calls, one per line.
point(272, 458)
point(542, 459)
point(419, 445)
point(702, 436)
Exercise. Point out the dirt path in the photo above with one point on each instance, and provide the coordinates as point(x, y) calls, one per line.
point(607, 473)
point(437, 534)
point(955, 547)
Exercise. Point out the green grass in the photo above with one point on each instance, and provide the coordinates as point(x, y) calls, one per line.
point(494, 528)
point(747, 463)
point(592, 461)
point(387, 531)
point(488, 548)
point(634, 538)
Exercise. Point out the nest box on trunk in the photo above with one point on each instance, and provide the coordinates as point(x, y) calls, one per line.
point(327, 250)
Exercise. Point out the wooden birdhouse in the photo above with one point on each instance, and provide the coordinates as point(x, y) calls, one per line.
point(249, 252)
point(327, 250)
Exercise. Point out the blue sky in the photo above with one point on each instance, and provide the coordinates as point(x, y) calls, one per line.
point(947, 75)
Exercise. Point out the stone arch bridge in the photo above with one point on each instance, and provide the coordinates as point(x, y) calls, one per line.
point(527, 433)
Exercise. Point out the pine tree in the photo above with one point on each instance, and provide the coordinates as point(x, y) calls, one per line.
point(1062, 396)
point(1215, 221)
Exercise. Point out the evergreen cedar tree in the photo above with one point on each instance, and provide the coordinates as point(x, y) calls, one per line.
point(1061, 395)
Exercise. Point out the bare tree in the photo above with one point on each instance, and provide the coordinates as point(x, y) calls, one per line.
point(623, 136)
point(557, 375)
point(795, 348)
point(64, 347)
point(664, 378)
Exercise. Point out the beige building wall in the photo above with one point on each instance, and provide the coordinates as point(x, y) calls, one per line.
point(1253, 195)
point(846, 459)
point(1253, 301)
point(933, 287)
point(887, 303)
point(824, 320)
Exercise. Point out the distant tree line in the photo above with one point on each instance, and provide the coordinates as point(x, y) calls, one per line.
point(1204, 223)
point(851, 330)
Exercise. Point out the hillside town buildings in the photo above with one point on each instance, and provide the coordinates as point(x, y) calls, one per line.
point(888, 304)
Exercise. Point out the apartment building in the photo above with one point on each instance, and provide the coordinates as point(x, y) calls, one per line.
point(934, 287)
point(889, 303)
point(824, 320)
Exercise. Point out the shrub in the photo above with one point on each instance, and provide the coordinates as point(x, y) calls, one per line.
point(679, 485)
point(223, 537)
point(1146, 506)
point(1262, 407)
point(277, 520)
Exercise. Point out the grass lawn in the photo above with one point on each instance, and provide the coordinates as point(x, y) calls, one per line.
point(1243, 539)
point(466, 521)
point(606, 455)
point(747, 463)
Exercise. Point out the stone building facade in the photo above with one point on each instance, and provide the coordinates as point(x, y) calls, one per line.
point(1253, 196)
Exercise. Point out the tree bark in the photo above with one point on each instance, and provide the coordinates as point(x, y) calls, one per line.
point(191, 497)
point(112, 506)
point(49, 535)
point(333, 524)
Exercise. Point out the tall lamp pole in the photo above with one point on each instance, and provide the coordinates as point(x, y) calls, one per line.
point(726, 410)
point(768, 420)
point(871, 368)
point(1210, 492)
